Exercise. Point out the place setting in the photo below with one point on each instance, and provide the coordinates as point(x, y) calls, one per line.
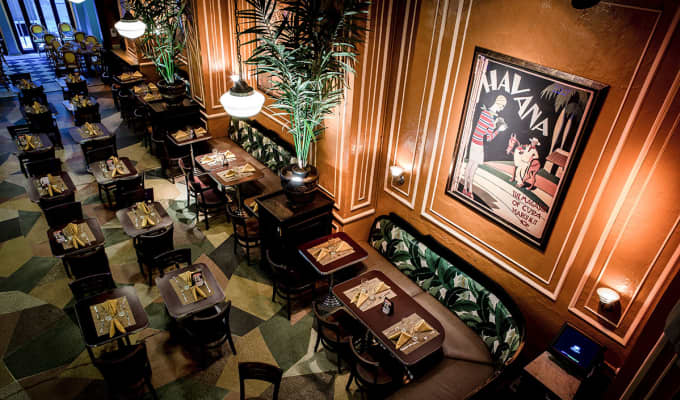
point(215, 159)
point(29, 142)
point(90, 130)
point(114, 167)
point(75, 236)
point(190, 287)
point(369, 293)
point(183, 135)
point(410, 333)
point(335, 248)
point(130, 76)
point(48, 186)
point(235, 173)
point(36, 108)
point(112, 316)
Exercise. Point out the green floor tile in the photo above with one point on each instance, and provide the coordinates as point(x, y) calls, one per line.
point(29, 274)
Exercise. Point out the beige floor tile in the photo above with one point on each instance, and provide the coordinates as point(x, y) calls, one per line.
point(8, 213)
point(14, 253)
point(82, 367)
point(16, 301)
point(252, 297)
point(56, 292)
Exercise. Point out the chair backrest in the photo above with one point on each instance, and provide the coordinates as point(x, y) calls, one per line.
point(87, 114)
point(55, 44)
point(28, 96)
point(90, 262)
point(16, 130)
point(40, 154)
point(49, 38)
point(18, 77)
point(79, 36)
point(154, 243)
point(49, 202)
point(91, 39)
point(134, 196)
point(279, 268)
point(323, 322)
point(79, 87)
point(211, 325)
point(125, 368)
point(91, 285)
point(359, 347)
point(43, 122)
point(99, 149)
point(175, 257)
point(259, 371)
point(125, 185)
point(38, 168)
point(64, 213)
point(69, 57)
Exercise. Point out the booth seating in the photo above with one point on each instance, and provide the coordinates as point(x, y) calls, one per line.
point(262, 144)
point(484, 328)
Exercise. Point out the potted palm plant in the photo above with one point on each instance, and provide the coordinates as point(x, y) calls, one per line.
point(308, 48)
point(163, 41)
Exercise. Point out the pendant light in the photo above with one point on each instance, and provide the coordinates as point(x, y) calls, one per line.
point(129, 26)
point(76, 1)
point(241, 101)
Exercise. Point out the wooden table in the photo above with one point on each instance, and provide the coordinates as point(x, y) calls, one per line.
point(58, 249)
point(27, 116)
point(71, 108)
point(86, 322)
point(252, 176)
point(190, 142)
point(175, 307)
point(129, 226)
point(548, 373)
point(33, 193)
point(376, 321)
point(359, 254)
point(103, 177)
point(45, 143)
point(210, 167)
point(127, 83)
point(75, 133)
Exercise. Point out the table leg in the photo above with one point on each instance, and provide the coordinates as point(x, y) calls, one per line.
point(193, 162)
point(330, 300)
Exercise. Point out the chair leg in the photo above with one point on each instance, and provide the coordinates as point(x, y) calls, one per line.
point(248, 253)
point(207, 225)
point(349, 381)
point(68, 271)
point(288, 305)
point(150, 277)
point(318, 341)
point(274, 292)
point(339, 363)
point(231, 341)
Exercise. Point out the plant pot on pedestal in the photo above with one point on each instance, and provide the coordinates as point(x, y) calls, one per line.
point(299, 184)
point(173, 93)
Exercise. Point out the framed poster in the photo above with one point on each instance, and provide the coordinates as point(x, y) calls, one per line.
point(522, 131)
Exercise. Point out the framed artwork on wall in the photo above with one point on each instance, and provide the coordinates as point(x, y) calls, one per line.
point(522, 131)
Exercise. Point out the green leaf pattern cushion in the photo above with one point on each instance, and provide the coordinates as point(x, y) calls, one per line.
point(260, 146)
point(478, 308)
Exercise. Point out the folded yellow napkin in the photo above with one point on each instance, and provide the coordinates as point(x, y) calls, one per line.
point(422, 326)
point(381, 288)
point(229, 173)
point(51, 188)
point(112, 309)
point(75, 240)
point(362, 298)
point(248, 168)
point(200, 131)
point(253, 206)
point(29, 142)
point(403, 338)
point(153, 87)
point(180, 134)
point(137, 74)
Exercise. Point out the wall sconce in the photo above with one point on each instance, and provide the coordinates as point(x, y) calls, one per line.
point(397, 173)
point(609, 298)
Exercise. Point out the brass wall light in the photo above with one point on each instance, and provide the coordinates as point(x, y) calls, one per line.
point(397, 173)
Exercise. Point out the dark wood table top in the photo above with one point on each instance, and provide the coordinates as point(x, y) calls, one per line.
point(252, 176)
point(217, 165)
point(62, 82)
point(75, 133)
point(103, 178)
point(127, 82)
point(45, 143)
point(33, 193)
point(358, 255)
point(195, 139)
point(279, 207)
point(16, 89)
point(59, 251)
point(175, 307)
point(87, 326)
point(376, 321)
point(129, 226)
point(158, 108)
point(69, 106)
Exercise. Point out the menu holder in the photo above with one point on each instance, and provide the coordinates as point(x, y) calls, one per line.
point(331, 250)
point(112, 316)
point(190, 287)
point(372, 294)
point(410, 333)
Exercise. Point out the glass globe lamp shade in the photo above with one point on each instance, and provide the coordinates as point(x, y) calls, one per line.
point(241, 101)
point(77, 1)
point(130, 27)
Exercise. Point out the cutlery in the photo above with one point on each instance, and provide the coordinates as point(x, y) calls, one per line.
point(412, 342)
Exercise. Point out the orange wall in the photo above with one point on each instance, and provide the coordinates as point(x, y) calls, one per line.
point(618, 225)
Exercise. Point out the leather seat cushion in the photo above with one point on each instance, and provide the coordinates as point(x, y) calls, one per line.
point(212, 197)
point(376, 261)
point(450, 379)
point(252, 228)
point(460, 342)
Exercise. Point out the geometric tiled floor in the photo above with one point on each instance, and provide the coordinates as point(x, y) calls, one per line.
point(42, 354)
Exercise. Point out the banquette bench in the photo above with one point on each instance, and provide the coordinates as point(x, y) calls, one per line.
point(483, 327)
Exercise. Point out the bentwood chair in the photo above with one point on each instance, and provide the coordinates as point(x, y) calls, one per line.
point(65, 31)
point(18, 77)
point(30, 95)
point(40, 168)
point(85, 114)
point(99, 149)
point(334, 331)
point(246, 230)
point(371, 368)
point(91, 285)
point(209, 330)
point(38, 37)
point(209, 200)
point(71, 63)
point(79, 36)
point(90, 262)
point(261, 372)
point(288, 283)
point(134, 196)
point(150, 245)
point(36, 155)
point(62, 214)
point(74, 88)
point(126, 185)
point(49, 202)
point(47, 124)
point(127, 371)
